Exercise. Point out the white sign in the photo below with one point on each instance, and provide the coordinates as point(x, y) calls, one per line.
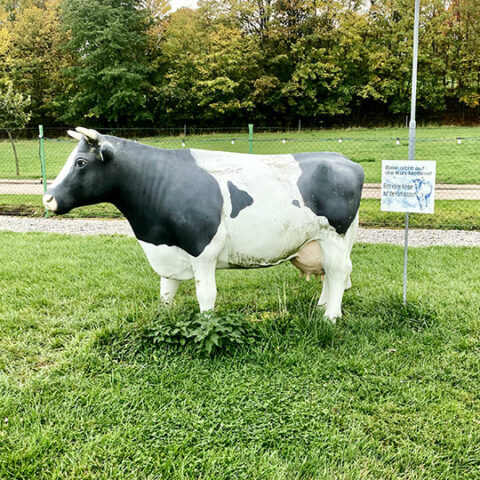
point(408, 186)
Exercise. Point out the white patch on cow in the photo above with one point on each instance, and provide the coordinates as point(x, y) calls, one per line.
point(272, 229)
point(66, 168)
point(168, 262)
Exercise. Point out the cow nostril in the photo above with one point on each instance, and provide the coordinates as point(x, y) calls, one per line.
point(47, 198)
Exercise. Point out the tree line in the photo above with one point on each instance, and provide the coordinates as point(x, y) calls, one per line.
point(132, 62)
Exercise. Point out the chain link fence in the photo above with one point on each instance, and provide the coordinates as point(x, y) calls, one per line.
point(456, 150)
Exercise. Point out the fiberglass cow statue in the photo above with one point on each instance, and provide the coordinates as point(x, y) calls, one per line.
point(195, 211)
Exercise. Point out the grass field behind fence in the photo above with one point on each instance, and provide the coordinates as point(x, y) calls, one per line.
point(387, 393)
point(456, 163)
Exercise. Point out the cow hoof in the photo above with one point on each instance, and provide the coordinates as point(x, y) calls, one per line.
point(332, 320)
point(332, 317)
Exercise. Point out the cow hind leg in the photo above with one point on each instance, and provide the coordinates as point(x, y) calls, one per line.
point(168, 289)
point(337, 265)
point(342, 249)
point(324, 295)
point(350, 237)
point(348, 281)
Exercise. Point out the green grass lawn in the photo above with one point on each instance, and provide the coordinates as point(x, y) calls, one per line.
point(387, 393)
point(456, 163)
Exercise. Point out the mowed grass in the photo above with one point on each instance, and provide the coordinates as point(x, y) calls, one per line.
point(387, 393)
point(456, 163)
point(449, 214)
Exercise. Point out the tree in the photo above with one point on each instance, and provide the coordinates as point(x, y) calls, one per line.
point(207, 69)
point(35, 58)
point(463, 75)
point(184, 41)
point(120, 62)
point(228, 71)
point(324, 49)
point(13, 114)
point(110, 76)
point(388, 40)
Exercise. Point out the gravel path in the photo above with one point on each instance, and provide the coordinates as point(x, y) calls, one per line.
point(417, 238)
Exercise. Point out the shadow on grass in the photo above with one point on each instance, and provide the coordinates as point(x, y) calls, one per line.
point(300, 321)
point(365, 160)
point(389, 312)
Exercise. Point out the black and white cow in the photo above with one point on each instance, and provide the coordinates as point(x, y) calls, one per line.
point(195, 211)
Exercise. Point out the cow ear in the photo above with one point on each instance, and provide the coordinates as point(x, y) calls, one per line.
point(106, 151)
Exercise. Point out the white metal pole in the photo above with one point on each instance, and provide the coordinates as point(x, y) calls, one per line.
point(411, 132)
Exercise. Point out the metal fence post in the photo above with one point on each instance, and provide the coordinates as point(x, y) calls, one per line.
point(250, 138)
point(412, 132)
point(42, 161)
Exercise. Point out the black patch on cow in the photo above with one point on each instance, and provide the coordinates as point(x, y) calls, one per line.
point(168, 199)
point(331, 186)
point(240, 199)
point(296, 203)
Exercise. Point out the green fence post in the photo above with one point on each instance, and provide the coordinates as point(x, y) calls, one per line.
point(250, 138)
point(42, 161)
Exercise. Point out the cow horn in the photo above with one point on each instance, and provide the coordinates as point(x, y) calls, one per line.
point(74, 134)
point(92, 135)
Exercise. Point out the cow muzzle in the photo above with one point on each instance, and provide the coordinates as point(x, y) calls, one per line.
point(49, 202)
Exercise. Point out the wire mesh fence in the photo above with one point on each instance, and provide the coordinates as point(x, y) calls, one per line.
point(455, 149)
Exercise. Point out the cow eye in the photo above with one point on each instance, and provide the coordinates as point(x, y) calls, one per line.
point(80, 163)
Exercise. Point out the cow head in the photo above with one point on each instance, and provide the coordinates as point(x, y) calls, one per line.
point(86, 177)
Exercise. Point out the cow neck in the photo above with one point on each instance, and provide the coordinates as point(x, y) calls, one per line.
point(138, 194)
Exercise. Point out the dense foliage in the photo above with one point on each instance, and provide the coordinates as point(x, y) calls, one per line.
point(207, 333)
point(129, 62)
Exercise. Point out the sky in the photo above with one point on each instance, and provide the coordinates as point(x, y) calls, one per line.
point(176, 4)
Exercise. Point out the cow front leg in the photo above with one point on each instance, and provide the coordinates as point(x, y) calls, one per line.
point(168, 289)
point(205, 285)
